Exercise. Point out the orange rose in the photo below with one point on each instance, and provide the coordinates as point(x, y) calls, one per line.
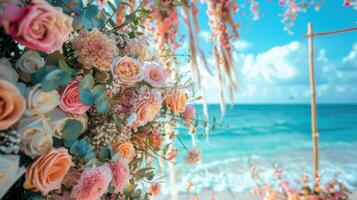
point(176, 101)
point(126, 150)
point(47, 172)
point(12, 104)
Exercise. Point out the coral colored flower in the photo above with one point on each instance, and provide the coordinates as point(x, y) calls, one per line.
point(93, 183)
point(154, 189)
point(47, 172)
point(94, 49)
point(189, 113)
point(154, 74)
point(127, 70)
point(172, 154)
point(147, 106)
point(38, 25)
point(70, 101)
point(193, 156)
point(150, 136)
point(12, 104)
point(126, 150)
point(176, 101)
point(120, 170)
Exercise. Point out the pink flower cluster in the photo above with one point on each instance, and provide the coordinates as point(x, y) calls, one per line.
point(165, 26)
point(94, 182)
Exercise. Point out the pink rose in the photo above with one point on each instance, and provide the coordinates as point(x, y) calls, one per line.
point(70, 101)
point(37, 25)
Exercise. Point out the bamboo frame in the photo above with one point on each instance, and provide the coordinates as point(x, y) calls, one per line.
point(310, 34)
point(313, 103)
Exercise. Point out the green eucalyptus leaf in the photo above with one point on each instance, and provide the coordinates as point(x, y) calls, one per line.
point(77, 23)
point(64, 66)
point(41, 73)
point(91, 11)
point(72, 129)
point(86, 97)
point(87, 82)
point(104, 154)
point(102, 106)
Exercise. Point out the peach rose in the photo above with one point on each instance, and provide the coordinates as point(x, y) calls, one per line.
point(127, 70)
point(176, 101)
point(126, 150)
point(12, 104)
point(147, 106)
point(292, 196)
point(70, 101)
point(38, 25)
point(47, 172)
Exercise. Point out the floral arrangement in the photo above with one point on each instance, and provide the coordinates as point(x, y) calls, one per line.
point(86, 104)
point(301, 189)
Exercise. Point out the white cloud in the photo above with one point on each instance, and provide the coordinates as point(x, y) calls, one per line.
point(205, 35)
point(351, 59)
point(276, 64)
point(241, 45)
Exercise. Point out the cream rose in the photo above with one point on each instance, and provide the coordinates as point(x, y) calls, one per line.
point(40, 102)
point(30, 62)
point(12, 104)
point(7, 72)
point(36, 135)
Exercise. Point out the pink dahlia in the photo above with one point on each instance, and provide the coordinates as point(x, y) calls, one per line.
point(154, 74)
point(93, 183)
point(120, 170)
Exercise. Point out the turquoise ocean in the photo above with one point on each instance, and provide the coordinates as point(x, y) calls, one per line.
point(266, 135)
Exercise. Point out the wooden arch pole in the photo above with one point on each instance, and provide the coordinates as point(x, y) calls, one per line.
point(313, 103)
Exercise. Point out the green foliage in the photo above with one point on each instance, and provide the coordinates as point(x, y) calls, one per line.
point(91, 94)
point(72, 129)
point(83, 149)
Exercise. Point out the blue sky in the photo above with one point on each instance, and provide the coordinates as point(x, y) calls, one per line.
point(271, 65)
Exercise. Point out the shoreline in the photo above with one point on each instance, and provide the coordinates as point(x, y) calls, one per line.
point(211, 195)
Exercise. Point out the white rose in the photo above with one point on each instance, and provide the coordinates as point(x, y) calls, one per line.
point(40, 102)
point(30, 62)
point(36, 135)
point(7, 72)
point(9, 172)
point(58, 119)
